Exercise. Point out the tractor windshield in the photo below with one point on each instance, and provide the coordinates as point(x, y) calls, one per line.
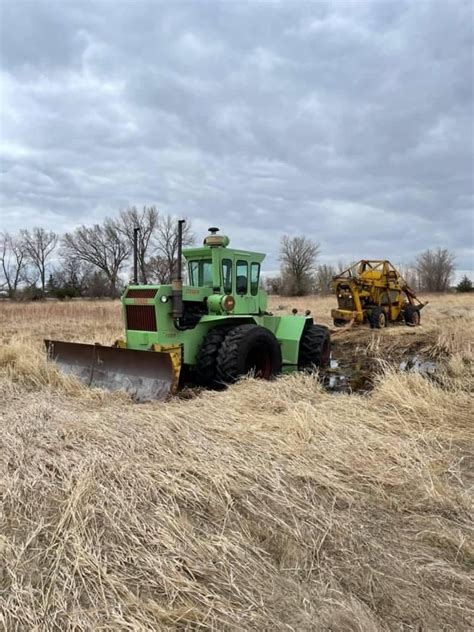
point(200, 273)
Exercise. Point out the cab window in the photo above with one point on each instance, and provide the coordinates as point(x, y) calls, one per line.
point(227, 275)
point(241, 277)
point(254, 278)
point(200, 273)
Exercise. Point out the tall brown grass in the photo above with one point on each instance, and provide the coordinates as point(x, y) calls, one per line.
point(269, 506)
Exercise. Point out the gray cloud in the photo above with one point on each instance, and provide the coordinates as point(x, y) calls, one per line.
point(349, 122)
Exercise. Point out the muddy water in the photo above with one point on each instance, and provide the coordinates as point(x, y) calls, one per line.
point(350, 373)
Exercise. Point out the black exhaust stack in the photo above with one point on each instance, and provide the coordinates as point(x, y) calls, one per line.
point(135, 255)
point(177, 283)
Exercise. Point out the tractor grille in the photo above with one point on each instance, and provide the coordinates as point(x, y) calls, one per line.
point(141, 293)
point(344, 302)
point(141, 317)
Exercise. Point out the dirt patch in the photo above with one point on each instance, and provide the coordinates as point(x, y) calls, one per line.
point(359, 356)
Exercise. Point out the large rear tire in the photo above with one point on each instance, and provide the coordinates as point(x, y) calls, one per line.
point(206, 361)
point(248, 349)
point(315, 348)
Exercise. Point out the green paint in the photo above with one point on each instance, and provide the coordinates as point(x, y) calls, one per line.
point(214, 272)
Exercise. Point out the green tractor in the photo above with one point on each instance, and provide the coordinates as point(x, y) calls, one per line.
point(212, 331)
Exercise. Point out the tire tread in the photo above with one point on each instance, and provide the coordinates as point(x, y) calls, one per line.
point(312, 344)
point(230, 350)
point(206, 363)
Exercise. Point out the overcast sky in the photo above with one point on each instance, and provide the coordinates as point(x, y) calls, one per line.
point(349, 122)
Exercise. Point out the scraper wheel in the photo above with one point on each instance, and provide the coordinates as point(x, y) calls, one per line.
point(412, 315)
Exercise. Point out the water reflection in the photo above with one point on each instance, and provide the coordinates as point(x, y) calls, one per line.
point(349, 373)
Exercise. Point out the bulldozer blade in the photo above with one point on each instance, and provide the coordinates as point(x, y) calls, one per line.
point(145, 375)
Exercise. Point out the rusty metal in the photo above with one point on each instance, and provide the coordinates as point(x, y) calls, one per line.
point(140, 317)
point(145, 375)
point(141, 292)
point(369, 286)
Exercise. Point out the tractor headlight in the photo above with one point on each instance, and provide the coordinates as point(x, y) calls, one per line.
point(163, 299)
point(218, 303)
point(228, 303)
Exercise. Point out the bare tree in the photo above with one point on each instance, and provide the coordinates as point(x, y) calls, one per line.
point(158, 270)
point(435, 270)
point(39, 245)
point(103, 246)
point(147, 221)
point(342, 266)
point(72, 276)
point(166, 244)
point(324, 275)
point(298, 258)
point(409, 274)
point(13, 262)
point(272, 285)
point(98, 285)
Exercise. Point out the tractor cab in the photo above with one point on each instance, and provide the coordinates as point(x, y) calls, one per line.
point(233, 275)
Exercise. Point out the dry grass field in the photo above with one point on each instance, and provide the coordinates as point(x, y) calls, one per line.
point(268, 506)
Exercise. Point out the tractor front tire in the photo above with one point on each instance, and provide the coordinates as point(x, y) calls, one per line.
point(248, 349)
point(206, 362)
point(378, 318)
point(412, 316)
point(315, 348)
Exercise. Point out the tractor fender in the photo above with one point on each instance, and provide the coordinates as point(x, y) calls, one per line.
point(288, 331)
point(235, 319)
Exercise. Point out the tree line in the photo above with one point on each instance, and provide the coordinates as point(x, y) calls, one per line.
point(300, 273)
point(90, 260)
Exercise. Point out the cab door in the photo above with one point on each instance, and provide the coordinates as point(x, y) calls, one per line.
point(246, 285)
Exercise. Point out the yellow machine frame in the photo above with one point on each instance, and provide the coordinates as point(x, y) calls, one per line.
point(369, 287)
